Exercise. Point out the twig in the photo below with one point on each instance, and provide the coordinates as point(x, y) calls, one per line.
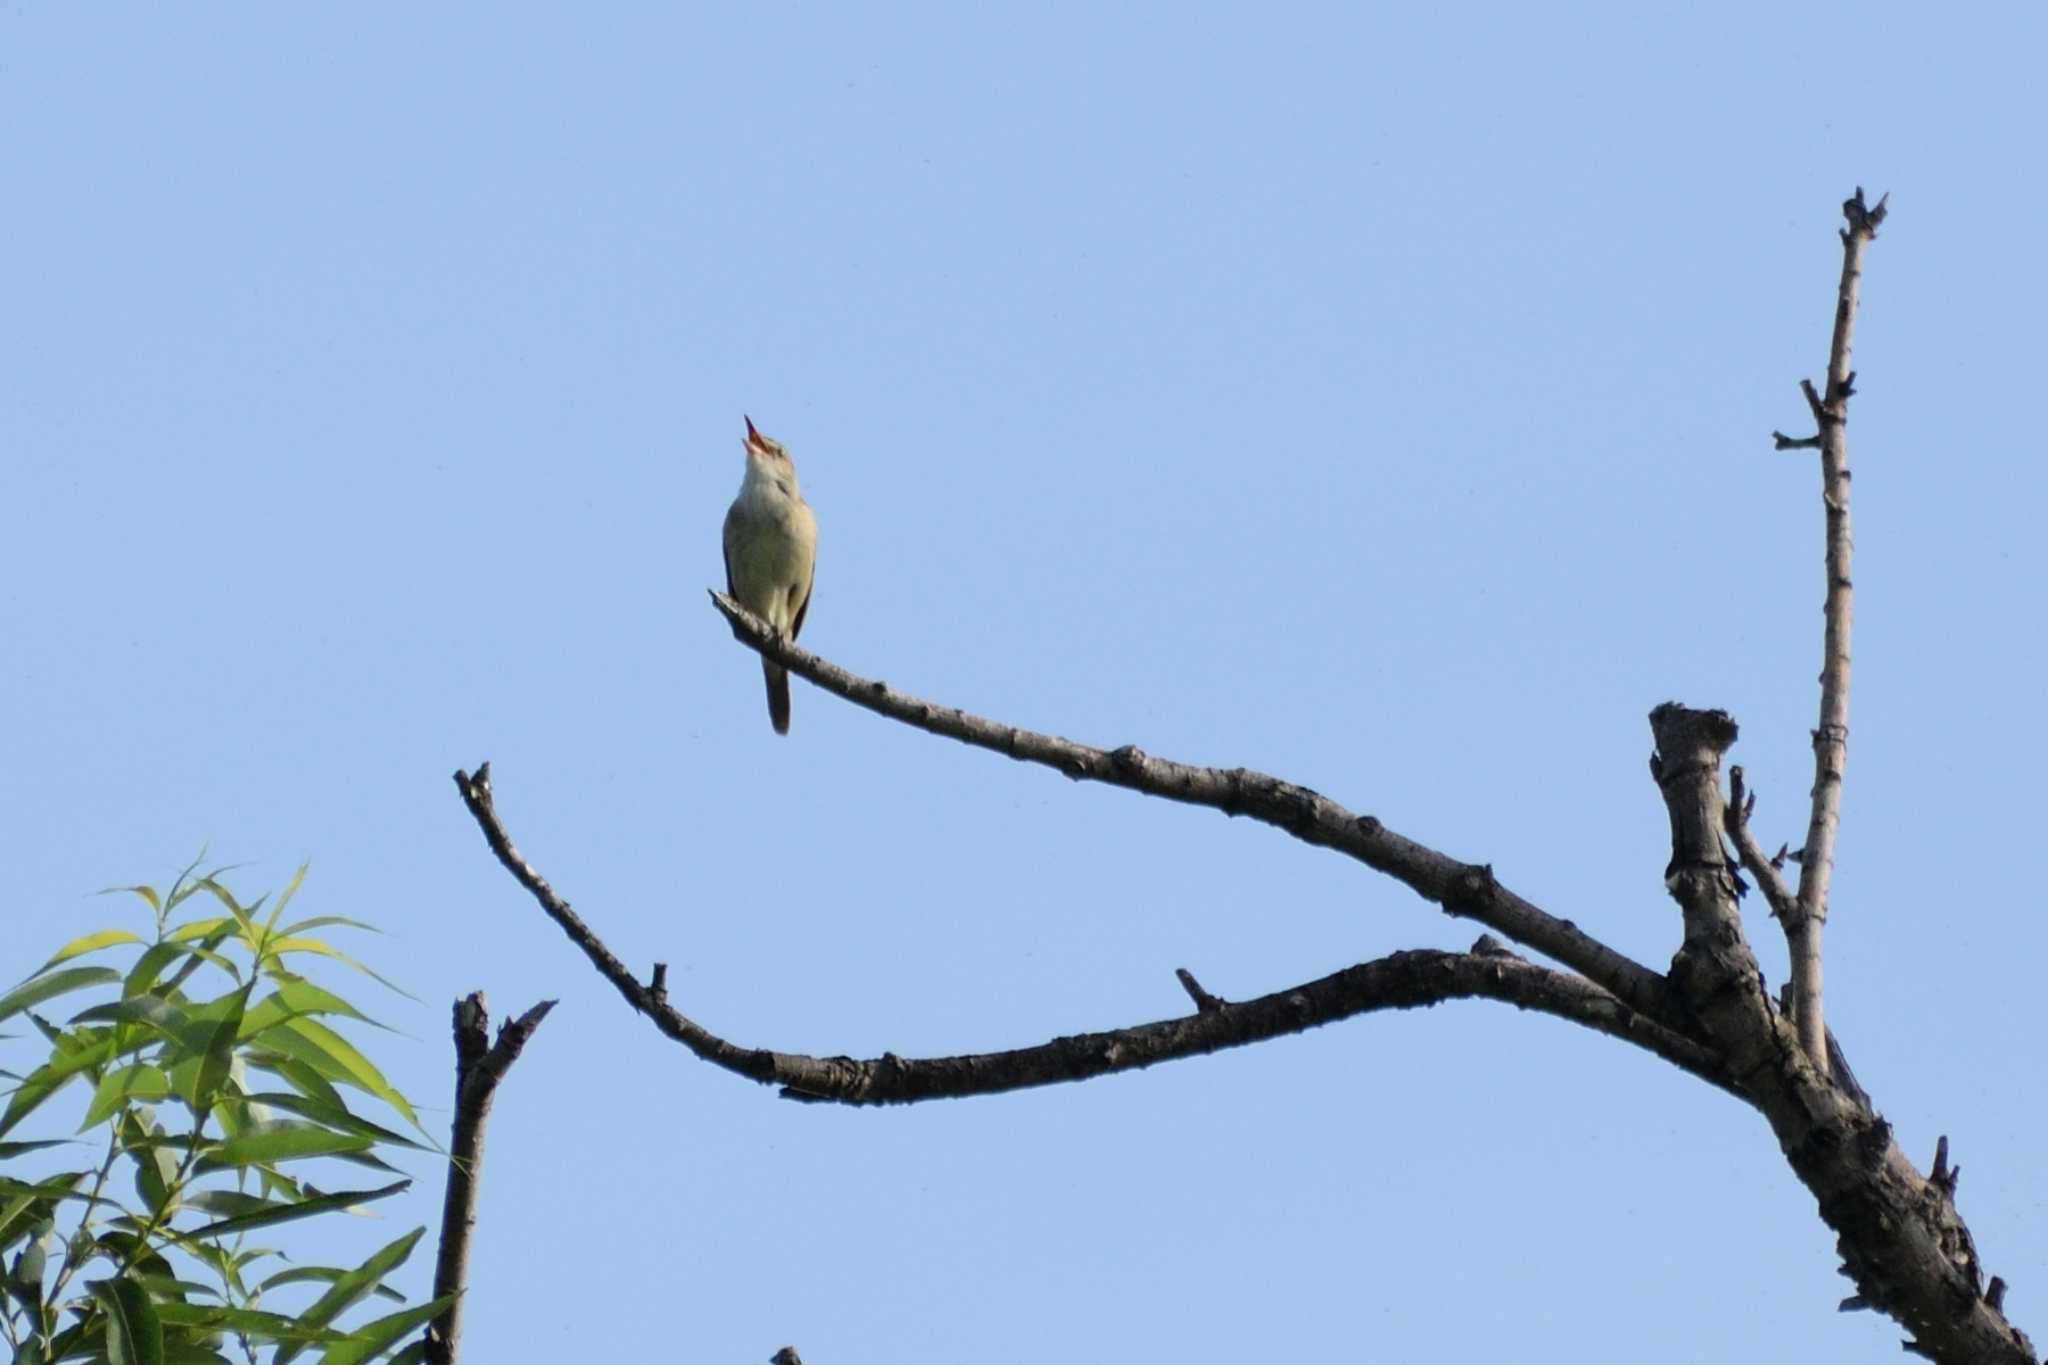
point(479, 1065)
point(1742, 802)
point(1401, 981)
point(1465, 889)
point(1831, 736)
point(1204, 1002)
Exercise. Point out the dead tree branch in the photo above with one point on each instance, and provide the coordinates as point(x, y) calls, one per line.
point(1403, 980)
point(1899, 1235)
point(1831, 737)
point(479, 1065)
point(1468, 890)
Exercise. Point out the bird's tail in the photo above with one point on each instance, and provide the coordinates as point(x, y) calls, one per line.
point(778, 695)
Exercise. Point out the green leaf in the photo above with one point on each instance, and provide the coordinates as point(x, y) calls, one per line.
point(25, 1277)
point(47, 1079)
point(154, 959)
point(373, 1338)
point(228, 1203)
point(244, 915)
point(336, 1115)
point(148, 894)
point(39, 988)
point(266, 1213)
point(202, 929)
point(156, 1173)
point(284, 897)
point(322, 921)
point(25, 1208)
point(200, 939)
point(281, 1140)
point(142, 977)
point(180, 1352)
point(90, 943)
point(322, 1274)
point(136, 1081)
point(173, 1021)
point(334, 1057)
point(297, 1074)
point(257, 1325)
point(277, 948)
point(218, 1057)
point(135, 1335)
point(165, 1289)
point(356, 1285)
point(296, 997)
point(10, 1150)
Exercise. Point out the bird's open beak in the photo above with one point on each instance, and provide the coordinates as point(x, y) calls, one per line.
point(753, 436)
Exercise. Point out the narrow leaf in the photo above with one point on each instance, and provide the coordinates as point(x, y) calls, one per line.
point(10, 1150)
point(284, 897)
point(148, 894)
point(343, 1061)
point(215, 1062)
point(335, 1115)
point(282, 1140)
point(271, 1213)
point(39, 988)
point(322, 921)
point(279, 947)
point(373, 1338)
point(135, 1335)
point(47, 1079)
point(243, 914)
point(171, 1020)
point(258, 1325)
point(351, 1288)
point(296, 997)
point(137, 1081)
point(90, 943)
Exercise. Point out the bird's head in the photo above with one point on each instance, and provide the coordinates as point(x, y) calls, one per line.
point(765, 450)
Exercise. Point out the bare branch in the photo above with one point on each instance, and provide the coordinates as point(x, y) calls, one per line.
point(479, 1066)
point(1464, 889)
point(1400, 981)
point(1901, 1239)
point(1204, 1002)
point(1831, 736)
point(1784, 905)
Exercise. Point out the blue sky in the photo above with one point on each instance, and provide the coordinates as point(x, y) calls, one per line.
point(1378, 400)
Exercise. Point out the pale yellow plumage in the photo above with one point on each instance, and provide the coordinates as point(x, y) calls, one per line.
point(771, 546)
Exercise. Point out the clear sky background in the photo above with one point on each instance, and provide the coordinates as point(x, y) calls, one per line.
point(1380, 400)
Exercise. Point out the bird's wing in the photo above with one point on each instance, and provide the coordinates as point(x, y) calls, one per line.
point(805, 605)
point(725, 543)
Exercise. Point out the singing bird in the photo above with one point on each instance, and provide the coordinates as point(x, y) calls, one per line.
point(771, 549)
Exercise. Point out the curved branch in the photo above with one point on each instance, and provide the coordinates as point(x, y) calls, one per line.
point(1403, 980)
point(1464, 889)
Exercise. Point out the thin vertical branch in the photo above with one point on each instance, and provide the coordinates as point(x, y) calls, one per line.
point(479, 1066)
point(1831, 737)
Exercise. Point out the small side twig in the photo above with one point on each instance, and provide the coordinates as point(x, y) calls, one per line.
point(1204, 1002)
point(1944, 1176)
point(479, 1066)
point(1742, 804)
